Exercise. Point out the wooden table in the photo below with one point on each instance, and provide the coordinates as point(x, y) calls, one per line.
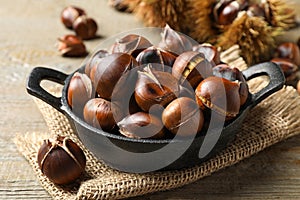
point(29, 30)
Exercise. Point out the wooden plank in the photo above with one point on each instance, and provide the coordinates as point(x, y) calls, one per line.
point(29, 32)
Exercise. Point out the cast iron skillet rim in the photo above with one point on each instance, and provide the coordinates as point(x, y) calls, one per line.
point(66, 108)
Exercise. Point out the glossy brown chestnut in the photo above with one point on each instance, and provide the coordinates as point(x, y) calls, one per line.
point(156, 55)
point(211, 92)
point(98, 113)
point(226, 11)
point(155, 87)
point(174, 42)
point(93, 61)
point(131, 44)
point(85, 27)
point(61, 160)
point(191, 66)
point(298, 42)
point(70, 14)
point(71, 46)
point(210, 52)
point(141, 125)
point(80, 90)
point(183, 114)
point(233, 74)
point(108, 72)
point(288, 67)
point(290, 51)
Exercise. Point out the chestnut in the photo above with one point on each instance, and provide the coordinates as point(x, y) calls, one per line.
point(61, 160)
point(141, 125)
point(298, 87)
point(131, 44)
point(191, 66)
point(156, 55)
point(71, 46)
point(226, 11)
point(183, 114)
point(210, 93)
point(98, 113)
point(233, 74)
point(174, 42)
point(210, 52)
point(290, 51)
point(93, 61)
point(298, 42)
point(80, 90)
point(155, 87)
point(85, 27)
point(70, 14)
point(108, 72)
point(288, 67)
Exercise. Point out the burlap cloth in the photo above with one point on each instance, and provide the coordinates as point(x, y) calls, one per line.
point(275, 119)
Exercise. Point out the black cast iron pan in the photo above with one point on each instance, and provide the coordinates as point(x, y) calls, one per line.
point(145, 155)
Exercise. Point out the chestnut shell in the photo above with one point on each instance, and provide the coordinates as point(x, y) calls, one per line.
point(62, 160)
point(191, 66)
point(141, 125)
point(210, 94)
point(184, 114)
point(155, 87)
point(98, 113)
point(108, 72)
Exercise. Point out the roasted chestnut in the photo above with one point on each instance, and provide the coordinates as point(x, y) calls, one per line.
point(210, 52)
point(108, 72)
point(155, 87)
point(61, 160)
point(191, 66)
point(288, 67)
point(219, 95)
point(85, 27)
point(70, 14)
point(156, 55)
point(183, 117)
point(141, 125)
point(233, 74)
point(290, 51)
point(131, 44)
point(98, 113)
point(174, 42)
point(71, 46)
point(94, 60)
point(80, 90)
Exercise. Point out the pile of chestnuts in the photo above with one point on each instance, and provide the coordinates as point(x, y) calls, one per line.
point(140, 90)
point(85, 28)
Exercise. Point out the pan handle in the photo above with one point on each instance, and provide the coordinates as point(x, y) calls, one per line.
point(275, 74)
point(34, 85)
